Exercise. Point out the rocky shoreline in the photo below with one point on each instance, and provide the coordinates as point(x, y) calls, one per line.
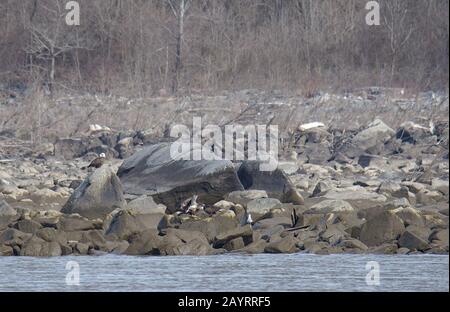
point(371, 190)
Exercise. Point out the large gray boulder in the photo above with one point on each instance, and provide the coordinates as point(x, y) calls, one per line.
point(370, 140)
point(276, 183)
point(383, 228)
point(152, 171)
point(97, 196)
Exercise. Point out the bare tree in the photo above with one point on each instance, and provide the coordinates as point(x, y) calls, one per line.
point(179, 9)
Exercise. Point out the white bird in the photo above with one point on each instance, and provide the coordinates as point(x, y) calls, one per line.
point(249, 219)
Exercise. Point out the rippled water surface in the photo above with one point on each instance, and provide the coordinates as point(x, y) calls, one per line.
point(297, 272)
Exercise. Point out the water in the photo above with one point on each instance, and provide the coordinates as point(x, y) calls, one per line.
point(228, 273)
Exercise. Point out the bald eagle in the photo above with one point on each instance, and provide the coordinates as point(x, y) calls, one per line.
point(97, 162)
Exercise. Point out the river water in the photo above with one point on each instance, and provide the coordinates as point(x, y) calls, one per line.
point(227, 273)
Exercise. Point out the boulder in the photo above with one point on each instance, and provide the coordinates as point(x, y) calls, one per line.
point(440, 185)
point(262, 205)
point(410, 216)
point(370, 140)
point(6, 251)
point(71, 148)
point(152, 171)
point(173, 245)
point(276, 183)
point(13, 237)
point(211, 227)
point(245, 232)
point(146, 242)
point(358, 197)
point(234, 244)
point(411, 240)
point(97, 196)
point(334, 234)
point(440, 237)
point(125, 223)
point(7, 214)
point(6, 210)
point(352, 244)
point(287, 244)
point(412, 133)
point(145, 205)
point(73, 223)
point(328, 206)
point(244, 197)
point(28, 226)
point(383, 228)
point(36, 247)
point(320, 189)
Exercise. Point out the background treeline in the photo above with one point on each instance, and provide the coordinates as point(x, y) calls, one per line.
point(166, 46)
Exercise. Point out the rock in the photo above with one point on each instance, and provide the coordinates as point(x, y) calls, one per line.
point(403, 251)
point(223, 204)
point(285, 245)
point(427, 197)
point(440, 186)
point(234, 244)
point(245, 232)
point(385, 249)
point(7, 214)
point(412, 241)
point(328, 206)
point(414, 187)
point(288, 167)
point(6, 210)
point(95, 239)
point(146, 242)
point(125, 223)
point(272, 223)
point(410, 216)
point(316, 247)
point(369, 140)
point(52, 235)
point(211, 227)
point(13, 237)
point(383, 228)
point(70, 148)
point(244, 197)
point(81, 248)
point(333, 234)
point(394, 190)
point(256, 247)
point(358, 197)
point(172, 245)
point(152, 171)
point(36, 247)
point(440, 237)
point(320, 189)
point(262, 205)
point(276, 183)
point(97, 196)
point(412, 133)
point(145, 205)
point(28, 226)
point(125, 147)
point(6, 251)
point(44, 149)
point(73, 223)
point(352, 244)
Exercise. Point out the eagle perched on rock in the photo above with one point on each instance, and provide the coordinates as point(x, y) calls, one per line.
point(97, 162)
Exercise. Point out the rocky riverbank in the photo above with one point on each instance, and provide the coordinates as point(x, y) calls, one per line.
point(374, 189)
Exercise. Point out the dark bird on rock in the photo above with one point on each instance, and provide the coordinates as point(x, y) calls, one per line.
point(97, 162)
point(294, 218)
point(191, 206)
